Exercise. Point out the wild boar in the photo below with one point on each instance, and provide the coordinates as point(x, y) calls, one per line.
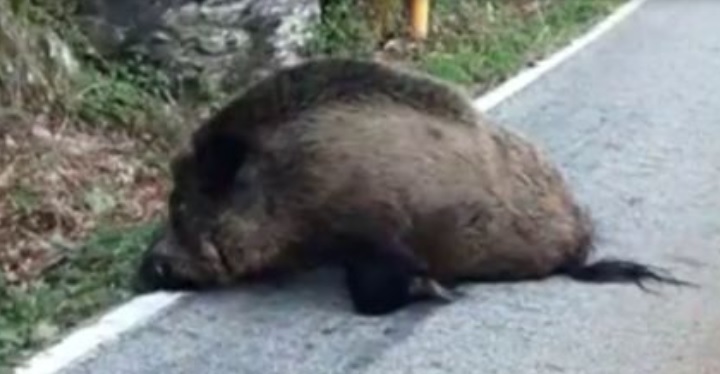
point(390, 173)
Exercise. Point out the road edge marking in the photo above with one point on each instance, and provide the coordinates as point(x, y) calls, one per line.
point(141, 309)
point(106, 329)
point(526, 77)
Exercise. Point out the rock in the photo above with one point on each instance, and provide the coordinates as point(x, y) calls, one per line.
point(36, 65)
point(214, 44)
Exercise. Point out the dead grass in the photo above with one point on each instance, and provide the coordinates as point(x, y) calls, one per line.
point(58, 185)
point(82, 180)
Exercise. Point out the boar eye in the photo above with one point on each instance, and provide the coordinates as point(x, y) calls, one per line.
point(162, 269)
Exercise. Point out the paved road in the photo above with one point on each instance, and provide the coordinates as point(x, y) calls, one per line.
point(635, 121)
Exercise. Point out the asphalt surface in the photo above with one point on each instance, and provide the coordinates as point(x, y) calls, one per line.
point(634, 120)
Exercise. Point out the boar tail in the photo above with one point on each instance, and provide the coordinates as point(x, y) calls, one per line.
point(620, 271)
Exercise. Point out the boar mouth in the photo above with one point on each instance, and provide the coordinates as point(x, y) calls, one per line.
point(156, 271)
point(154, 274)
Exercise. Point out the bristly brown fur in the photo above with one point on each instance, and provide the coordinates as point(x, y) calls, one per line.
point(294, 156)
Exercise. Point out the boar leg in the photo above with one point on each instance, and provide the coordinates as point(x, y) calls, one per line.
point(383, 275)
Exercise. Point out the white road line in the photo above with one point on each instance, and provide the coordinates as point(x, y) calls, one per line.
point(140, 309)
point(105, 330)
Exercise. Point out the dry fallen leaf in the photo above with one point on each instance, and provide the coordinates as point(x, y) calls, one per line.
point(58, 176)
point(7, 175)
point(45, 331)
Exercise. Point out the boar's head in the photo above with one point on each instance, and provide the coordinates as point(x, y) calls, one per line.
point(214, 224)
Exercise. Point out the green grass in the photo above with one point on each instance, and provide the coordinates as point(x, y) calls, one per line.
point(130, 98)
point(476, 43)
point(124, 96)
point(102, 97)
point(505, 42)
point(89, 280)
point(342, 33)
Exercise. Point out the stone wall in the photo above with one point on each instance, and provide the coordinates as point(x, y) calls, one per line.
point(221, 44)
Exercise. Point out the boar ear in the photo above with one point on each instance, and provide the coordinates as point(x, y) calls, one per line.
point(218, 158)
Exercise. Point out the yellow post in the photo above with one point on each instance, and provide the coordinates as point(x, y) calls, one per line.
point(419, 18)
